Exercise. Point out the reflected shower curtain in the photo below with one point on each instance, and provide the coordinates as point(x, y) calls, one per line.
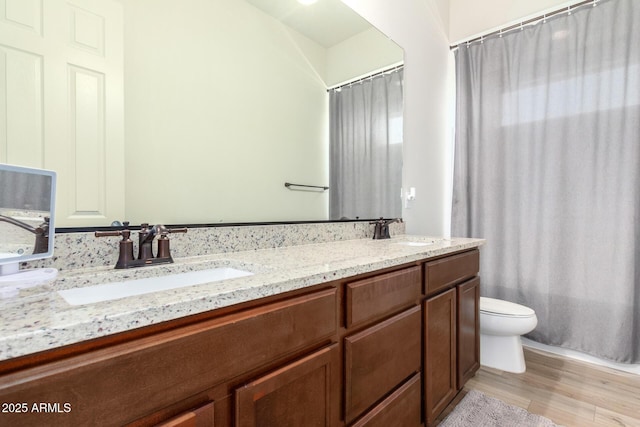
point(365, 149)
point(547, 169)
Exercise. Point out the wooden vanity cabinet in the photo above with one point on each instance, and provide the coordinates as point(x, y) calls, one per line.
point(134, 382)
point(384, 348)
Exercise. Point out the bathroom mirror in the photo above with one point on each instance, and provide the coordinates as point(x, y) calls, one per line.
point(182, 111)
point(27, 208)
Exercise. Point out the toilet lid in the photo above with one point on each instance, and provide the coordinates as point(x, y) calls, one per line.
point(504, 308)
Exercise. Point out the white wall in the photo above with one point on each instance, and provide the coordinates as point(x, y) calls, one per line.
point(469, 18)
point(361, 55)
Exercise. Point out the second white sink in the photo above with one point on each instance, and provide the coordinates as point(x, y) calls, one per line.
point(414, 243)
point(128, 288)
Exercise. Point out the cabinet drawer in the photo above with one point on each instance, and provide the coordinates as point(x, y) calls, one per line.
point(202, 416)
point(379, 358)
point(400, 409)
point(374, 297)
point(446, 272)
point(121, 383)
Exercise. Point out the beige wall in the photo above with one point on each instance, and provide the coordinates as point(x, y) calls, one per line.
point(223, 104)
point(470, 18)
point(216, 119)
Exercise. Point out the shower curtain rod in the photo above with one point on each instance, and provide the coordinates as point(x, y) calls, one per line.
point(361, 79)
point(532, 21)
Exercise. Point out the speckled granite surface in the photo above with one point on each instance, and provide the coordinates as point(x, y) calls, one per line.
point(39, 319)
point(80, 250)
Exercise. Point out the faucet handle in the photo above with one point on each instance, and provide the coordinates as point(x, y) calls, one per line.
point(177, 230)
point(378, 232)
point(125, 256)
point(163, 241)
point(125, 230)
point(162, 230)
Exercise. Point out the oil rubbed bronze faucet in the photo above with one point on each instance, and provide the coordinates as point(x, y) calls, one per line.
point(381, 231)
point(146, 235)
point(41, 232)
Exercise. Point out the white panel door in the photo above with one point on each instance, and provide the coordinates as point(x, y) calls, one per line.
point(21, 81)
point(62, 101)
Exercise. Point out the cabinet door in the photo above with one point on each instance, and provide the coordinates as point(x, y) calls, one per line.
point(440, 353)
point(468, 295)
point(198, 417)
point(303, 393)
point(62, 101)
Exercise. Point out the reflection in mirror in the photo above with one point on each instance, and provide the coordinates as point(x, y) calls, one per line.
point(366, 148)
point(27, 199)
point(190, 111)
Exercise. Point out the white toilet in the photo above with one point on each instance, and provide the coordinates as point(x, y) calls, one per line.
point(501, 324)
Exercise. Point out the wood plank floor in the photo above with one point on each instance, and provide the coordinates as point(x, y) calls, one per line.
point(567, 391)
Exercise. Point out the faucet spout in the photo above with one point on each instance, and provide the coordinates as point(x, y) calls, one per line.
point(381, 230)
point(41, 232)
point(145, 242)
point(18, 223)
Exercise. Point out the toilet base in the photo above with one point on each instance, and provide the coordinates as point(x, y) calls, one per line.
point(502, 352)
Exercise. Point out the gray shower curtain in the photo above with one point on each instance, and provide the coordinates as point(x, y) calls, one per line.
point(547, 169)
point(23, 191)
point(365, 149)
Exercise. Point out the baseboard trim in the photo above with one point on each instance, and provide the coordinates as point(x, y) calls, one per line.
point(630, 368)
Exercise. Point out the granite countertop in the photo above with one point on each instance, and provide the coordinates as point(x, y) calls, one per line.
point(40, 319)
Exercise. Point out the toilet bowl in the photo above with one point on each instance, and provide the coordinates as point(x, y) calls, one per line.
point(501, 324)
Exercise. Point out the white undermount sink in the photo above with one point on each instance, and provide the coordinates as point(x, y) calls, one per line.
point(414, 243)
point(128, 288)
